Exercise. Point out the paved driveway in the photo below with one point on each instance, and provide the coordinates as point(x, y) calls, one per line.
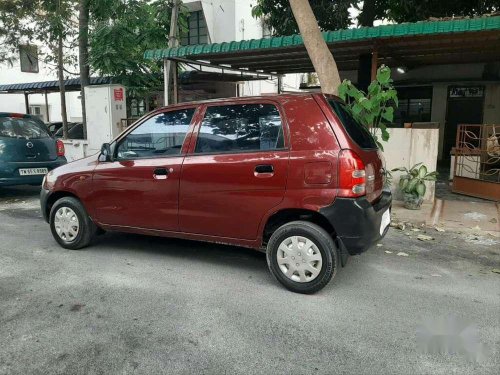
point(141, 305)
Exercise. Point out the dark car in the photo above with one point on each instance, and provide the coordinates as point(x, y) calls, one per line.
point(27, 151)
point(75, 131)
point(294, 175)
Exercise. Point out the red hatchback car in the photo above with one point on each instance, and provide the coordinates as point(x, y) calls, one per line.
point(294, 174)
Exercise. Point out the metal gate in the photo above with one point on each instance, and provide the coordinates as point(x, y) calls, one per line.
point(477, 161)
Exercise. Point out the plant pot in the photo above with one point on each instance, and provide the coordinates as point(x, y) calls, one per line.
point(412, 202)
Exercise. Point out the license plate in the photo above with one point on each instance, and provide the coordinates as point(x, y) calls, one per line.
point(32, 171)
point(386, 220)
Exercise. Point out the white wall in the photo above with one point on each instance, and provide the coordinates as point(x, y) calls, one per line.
point(15, 102)
point(407, 147)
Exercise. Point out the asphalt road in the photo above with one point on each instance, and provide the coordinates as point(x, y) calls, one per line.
point(141, 305)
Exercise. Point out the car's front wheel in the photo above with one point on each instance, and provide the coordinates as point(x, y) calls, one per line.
point(302, 256)
point(70, 224)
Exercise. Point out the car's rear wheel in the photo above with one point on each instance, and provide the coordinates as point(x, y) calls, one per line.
point(70, 224)
point(302, 256)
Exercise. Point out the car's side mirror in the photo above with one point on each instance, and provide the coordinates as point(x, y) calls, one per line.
point(105, 153)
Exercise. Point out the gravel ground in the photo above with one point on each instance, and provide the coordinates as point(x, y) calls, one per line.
point(142, 305)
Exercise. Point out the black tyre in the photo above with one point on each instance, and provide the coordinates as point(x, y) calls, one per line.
point(70, 224)
point(302, 256)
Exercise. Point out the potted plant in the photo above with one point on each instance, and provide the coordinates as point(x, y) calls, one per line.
point(412, 184)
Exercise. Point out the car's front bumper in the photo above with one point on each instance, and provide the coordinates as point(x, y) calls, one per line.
point(357, 222)
point(9, 171)
point(44, 196)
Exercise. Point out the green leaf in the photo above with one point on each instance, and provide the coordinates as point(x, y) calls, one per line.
point(365, 103)
point(403, 183)
point(411, 185)
point(415, 166)
point(383, 75)
point(422, 171)
point(420, 189)
point(388, 114)
point(357, 108)
point(343, 88)
point(400, 169)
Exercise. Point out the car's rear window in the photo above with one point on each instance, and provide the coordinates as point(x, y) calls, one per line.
point(356, 131)
point(13, 127)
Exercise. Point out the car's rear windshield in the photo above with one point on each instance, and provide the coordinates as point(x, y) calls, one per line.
point(356, 131)
point(13, 127)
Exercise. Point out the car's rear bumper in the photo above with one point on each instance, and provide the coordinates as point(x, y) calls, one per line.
point(357, 222)
point(9, 171)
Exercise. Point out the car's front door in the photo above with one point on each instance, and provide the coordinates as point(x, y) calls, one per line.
point(235, 172)
point(140, 187)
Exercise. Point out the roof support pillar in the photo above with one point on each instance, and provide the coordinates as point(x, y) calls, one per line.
point(374, 64)
point(280, 83)
point(47, 106)
point(175, 96)
point(27, 102)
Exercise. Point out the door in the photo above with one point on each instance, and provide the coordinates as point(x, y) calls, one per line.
point(140, 187)
point(236, 171)
point(460, 110)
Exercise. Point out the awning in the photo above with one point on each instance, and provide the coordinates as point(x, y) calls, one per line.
point(72, 84)
point(409, 44)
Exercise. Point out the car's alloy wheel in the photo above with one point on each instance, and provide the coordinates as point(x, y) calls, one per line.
point(302, 256)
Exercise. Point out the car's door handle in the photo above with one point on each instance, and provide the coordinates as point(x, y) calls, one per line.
point(265, 170)
point(160, 173)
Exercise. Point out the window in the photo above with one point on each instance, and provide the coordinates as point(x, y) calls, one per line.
point(197, 32)
point(36, 110)
point(240, 128)
point(13, 127)
point(356, 131)
point(158, 136)
point(28, 56)
point(414, 105)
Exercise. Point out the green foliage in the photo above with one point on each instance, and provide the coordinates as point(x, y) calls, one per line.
point(120, 33)
point(375, 108)
point(331, 15)
point(412, 182)
point(334, 14)
point(40, 22)
point(417, 10)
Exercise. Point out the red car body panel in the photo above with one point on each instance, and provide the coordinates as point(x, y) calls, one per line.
point(220, 197)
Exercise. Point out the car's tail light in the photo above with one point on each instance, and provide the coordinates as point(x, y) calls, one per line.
point(352, 175)
point(60, 147)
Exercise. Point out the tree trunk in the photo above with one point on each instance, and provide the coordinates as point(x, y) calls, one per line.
point(83, 55)
point(62, 89)
point(321, 58)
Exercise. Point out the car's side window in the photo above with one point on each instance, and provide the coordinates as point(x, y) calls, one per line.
point(158, 136)
point(240, 128)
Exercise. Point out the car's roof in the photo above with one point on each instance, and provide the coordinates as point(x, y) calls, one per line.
point(276, 97)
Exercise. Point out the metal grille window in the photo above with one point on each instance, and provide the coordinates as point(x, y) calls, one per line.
point(197, 32)
point(28, 56)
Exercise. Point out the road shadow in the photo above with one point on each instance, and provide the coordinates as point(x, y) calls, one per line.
point(129, 244)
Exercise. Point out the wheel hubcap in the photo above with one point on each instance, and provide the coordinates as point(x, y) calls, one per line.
point(299, 259)
point(66, 224)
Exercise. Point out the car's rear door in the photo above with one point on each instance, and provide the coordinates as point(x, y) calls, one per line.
point(236, 169)
point(140, 187)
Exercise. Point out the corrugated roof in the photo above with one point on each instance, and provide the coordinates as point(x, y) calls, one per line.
point(348, 35)
point(52, 85)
